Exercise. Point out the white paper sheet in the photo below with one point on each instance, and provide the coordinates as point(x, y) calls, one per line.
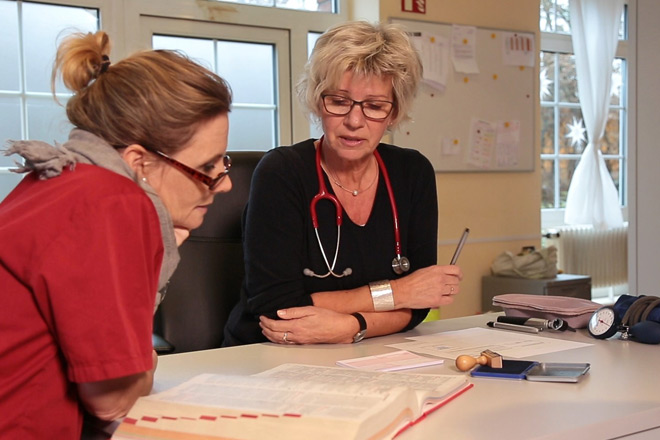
point(483, 135)
point(394, 361)
point(473, 341)
point(518, 49)
point(507, 143)
point(434, 52)
point(464, 49)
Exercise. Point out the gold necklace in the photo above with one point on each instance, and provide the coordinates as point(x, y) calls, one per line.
point(354, 192)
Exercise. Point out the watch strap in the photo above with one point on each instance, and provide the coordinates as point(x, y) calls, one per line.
point(363, 327)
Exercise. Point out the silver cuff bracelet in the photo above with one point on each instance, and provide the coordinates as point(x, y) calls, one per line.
point(381, 295)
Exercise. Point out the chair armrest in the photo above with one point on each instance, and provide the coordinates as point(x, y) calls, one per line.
point(161, 345)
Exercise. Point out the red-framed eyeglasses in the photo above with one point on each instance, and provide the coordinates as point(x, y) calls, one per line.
point(211, 182)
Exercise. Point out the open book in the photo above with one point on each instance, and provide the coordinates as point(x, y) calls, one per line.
point(291, 402)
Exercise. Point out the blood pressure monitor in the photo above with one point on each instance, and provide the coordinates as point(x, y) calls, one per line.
point(604, 323)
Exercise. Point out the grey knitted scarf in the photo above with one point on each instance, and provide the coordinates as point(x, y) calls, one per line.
point(84, 147)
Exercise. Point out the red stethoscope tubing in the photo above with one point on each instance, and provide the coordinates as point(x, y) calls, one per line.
point(395, 213)
point(323, 194)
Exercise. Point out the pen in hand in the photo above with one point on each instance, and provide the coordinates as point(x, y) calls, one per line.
point(461, 242)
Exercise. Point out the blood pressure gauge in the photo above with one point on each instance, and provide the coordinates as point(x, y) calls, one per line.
point(604, 323)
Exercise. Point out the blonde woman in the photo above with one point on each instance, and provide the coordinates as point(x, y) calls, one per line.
point(90, 234)
point(341, 231)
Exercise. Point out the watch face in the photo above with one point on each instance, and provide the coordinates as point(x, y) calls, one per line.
point(360, 335)
point(603, 323)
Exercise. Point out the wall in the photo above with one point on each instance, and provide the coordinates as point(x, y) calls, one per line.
point(502, 210)
point(644, 238)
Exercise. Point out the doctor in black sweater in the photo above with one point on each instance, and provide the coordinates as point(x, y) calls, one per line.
point(341, 232)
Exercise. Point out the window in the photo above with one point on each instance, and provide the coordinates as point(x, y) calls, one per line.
point(253, 60)
point(271, 33)
point(28, 39)
point(563, 135)
point(249, 68)
point(304, 5)
point(315, 129)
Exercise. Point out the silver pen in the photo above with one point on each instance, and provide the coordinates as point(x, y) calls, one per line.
point(461, 242)
point(550, 324)
point(516, 327)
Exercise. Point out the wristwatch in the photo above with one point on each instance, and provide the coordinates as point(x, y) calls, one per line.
point(363, 328)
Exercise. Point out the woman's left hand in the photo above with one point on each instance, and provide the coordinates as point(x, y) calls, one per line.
point(309, 325)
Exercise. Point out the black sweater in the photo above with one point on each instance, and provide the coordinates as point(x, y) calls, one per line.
point(280, 241)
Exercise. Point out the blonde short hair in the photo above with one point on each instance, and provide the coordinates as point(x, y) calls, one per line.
point(381, 50)
point(154, 98)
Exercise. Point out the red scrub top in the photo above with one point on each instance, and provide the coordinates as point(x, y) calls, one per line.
point(80, 256)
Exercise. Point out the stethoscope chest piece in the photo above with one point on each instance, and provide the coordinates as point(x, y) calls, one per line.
point(400, 265)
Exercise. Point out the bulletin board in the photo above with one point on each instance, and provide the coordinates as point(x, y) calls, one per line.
point(479, 122)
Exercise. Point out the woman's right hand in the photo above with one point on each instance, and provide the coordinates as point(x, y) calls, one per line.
point(429, 287)
point(309, 325)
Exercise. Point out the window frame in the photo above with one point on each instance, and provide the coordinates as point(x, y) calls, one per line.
point(102, 6)
point(105, 8)
point(121, 19)
point(279, 39)
point(558, 42)
point(297, 23)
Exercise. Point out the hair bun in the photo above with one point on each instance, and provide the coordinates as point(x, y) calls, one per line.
point(80, 59)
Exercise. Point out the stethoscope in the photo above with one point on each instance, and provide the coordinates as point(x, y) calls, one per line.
point(399, 264)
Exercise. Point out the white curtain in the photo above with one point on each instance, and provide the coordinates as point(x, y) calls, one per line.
point(592, 197)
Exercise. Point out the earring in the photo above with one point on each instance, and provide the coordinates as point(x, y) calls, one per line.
point(144, 179)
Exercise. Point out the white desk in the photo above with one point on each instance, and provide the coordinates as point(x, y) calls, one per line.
point(619, 397)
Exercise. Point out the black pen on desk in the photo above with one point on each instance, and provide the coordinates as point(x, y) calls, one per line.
point(516, 327)
point(459, 247)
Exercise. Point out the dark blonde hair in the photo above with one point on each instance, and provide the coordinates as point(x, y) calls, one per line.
point(155, 98)
point(381, 50)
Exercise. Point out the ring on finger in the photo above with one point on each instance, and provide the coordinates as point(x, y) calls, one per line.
point(285, 336)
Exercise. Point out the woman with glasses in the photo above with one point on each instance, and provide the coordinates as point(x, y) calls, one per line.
point(89, 237)
point(341, 231)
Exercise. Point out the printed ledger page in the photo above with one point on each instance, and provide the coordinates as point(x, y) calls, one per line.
point(290, 402)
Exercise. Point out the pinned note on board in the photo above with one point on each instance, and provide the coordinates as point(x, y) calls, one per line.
point(464, 49)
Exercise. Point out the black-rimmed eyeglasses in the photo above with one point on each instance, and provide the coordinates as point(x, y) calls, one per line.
point(373, 109)
point(211, 182)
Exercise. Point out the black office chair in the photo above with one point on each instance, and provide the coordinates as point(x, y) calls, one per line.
point(206, 284)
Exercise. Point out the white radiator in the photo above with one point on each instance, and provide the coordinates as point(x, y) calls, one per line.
point(603, 255)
